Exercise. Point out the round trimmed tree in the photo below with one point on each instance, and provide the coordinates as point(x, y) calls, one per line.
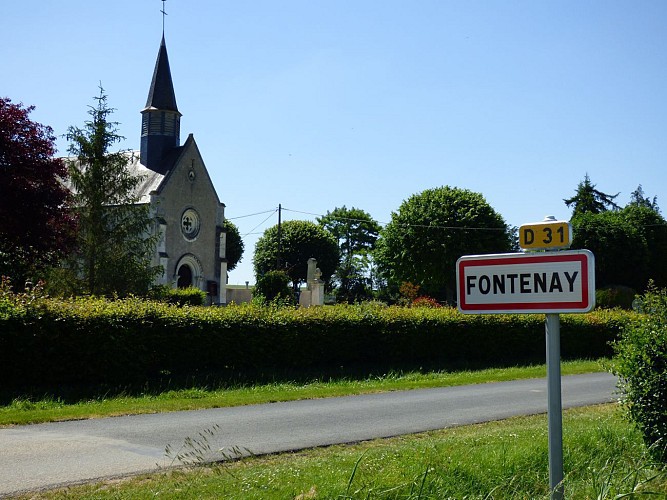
point(299, 240)
point(431, 230)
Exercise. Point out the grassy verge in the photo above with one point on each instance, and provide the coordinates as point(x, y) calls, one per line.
point(49, 409)
point(604, 458)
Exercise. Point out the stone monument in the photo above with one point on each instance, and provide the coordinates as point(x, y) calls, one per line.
point(314, 293)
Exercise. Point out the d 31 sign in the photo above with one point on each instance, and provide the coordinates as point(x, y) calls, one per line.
point(548, 234)
point(558, 282)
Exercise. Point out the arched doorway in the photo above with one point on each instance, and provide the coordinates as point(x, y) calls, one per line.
point(189, 272)
point(184, 276)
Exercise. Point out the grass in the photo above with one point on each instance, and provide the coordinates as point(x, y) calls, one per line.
point(603, 458)
point(28, 410)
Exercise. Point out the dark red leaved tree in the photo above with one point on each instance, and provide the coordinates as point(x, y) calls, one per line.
point(37, 225)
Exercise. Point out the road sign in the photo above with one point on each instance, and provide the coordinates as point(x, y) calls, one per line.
point(550, 234)
point(558, 282)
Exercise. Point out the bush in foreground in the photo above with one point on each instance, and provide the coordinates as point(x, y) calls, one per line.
point(641, 364)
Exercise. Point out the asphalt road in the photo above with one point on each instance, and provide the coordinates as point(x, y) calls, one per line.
point(48, 455)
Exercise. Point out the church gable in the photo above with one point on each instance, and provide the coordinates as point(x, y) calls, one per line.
point(188, 171)
point(191, 218)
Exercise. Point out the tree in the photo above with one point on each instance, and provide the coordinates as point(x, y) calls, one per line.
point(115, 248)
point(272, 287)
point(630, 244)
point(35, 207)
point(356, 232)
point(299, 241)
point(637, 199)
point(431, 230)
point(653, 228)
point(234, 245)
point(589, 200)
point(620, 250)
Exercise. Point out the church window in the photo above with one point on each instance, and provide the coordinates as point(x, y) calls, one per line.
point(190, 224)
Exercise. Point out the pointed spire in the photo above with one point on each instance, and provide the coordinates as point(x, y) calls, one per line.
point(160, 122)
point(161, 94)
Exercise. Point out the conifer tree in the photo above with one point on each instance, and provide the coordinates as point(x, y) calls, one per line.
point(639, 199)
point(115, 242)
point(589, 200)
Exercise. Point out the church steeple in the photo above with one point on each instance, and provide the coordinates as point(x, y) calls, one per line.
point(161, 120)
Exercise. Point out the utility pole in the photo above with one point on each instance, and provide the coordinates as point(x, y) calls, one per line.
point(280, 243)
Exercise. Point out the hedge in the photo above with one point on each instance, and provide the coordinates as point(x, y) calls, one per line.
point(92, 340)
point(641, 364)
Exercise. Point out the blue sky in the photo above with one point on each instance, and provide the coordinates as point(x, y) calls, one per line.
point(320, 104)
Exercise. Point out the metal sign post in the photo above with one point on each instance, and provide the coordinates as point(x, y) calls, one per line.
point(554, 406)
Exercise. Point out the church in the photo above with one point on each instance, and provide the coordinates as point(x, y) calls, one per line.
point(187, 213)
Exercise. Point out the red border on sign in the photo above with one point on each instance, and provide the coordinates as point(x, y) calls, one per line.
point(524, 306)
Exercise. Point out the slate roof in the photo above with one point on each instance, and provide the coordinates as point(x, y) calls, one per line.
point(151, 180)
point(161, 94)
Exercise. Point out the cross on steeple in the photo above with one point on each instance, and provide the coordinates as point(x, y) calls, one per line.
point(164, 14)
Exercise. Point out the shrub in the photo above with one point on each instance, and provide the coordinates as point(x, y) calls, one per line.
point(273, 287)
point(641, 364)
point(425, 301)
point(190, 296)
point(409, 291)
point(615, 296)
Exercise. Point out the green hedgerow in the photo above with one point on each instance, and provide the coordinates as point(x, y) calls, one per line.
point(94, 340)
point(641, 364)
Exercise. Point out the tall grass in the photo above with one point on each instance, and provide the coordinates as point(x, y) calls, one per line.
point(604, 458)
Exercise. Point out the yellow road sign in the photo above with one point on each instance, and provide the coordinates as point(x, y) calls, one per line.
point(545, 235)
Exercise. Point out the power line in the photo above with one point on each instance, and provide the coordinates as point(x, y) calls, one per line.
point(426, 226)
point(430, 226)
point(327, 215)
point(251, 215)
point(271, 214)
point(300, 212)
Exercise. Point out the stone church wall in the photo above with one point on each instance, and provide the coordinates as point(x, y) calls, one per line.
point(188, 188)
